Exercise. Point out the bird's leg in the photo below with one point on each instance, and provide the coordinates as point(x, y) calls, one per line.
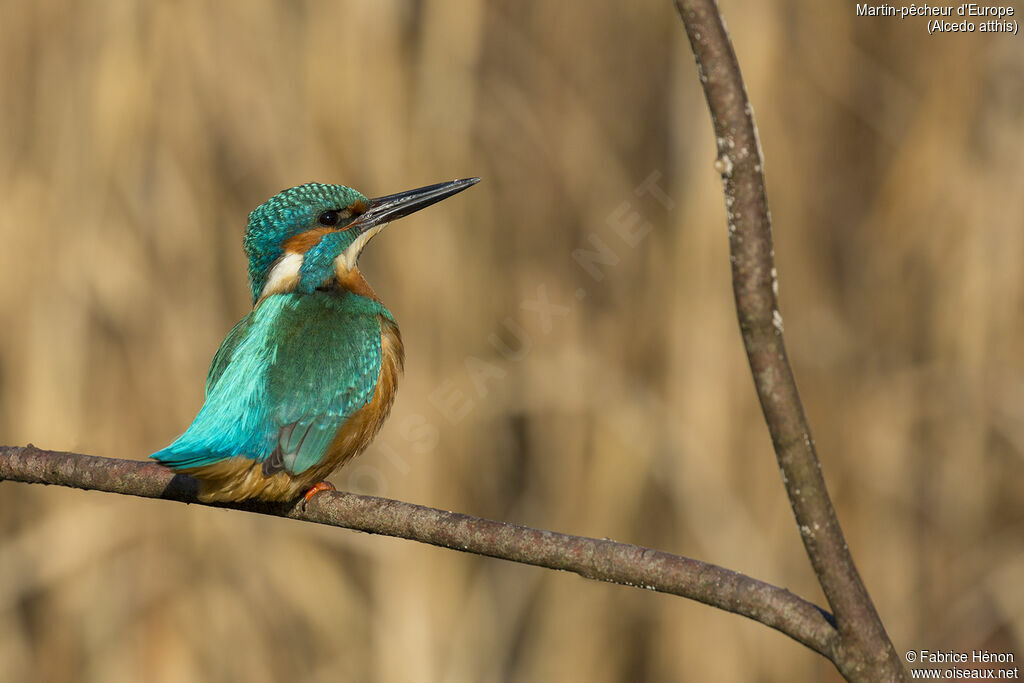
point(317, 488)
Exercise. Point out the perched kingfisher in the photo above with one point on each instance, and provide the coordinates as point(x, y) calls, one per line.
point(303, 382)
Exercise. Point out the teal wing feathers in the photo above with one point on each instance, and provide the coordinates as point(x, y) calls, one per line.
point(326, 369)
point(284, 381)
point(226, 350)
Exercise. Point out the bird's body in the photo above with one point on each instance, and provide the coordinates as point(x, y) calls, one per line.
point(304, 382)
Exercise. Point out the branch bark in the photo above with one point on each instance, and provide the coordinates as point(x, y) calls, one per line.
point(865, 653)
point(601, 560)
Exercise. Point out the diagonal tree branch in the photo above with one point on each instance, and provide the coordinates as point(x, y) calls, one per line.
point(866, 652)
point(601, 560)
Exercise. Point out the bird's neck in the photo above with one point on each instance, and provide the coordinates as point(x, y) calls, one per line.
point(306, 267)
point(353, 281)
point(288, 275)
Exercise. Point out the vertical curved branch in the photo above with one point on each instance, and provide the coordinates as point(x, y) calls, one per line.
point(866, 652)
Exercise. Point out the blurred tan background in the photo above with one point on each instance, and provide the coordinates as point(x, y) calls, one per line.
point(137, 136)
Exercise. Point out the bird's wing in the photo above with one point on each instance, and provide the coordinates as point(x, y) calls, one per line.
point(326, 369)
point(226, 350)
point(283, 382)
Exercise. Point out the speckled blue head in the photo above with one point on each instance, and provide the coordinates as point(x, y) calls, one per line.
point(299, 237)
point(289, 213)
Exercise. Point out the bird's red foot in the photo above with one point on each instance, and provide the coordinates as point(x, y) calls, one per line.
point(317, 488)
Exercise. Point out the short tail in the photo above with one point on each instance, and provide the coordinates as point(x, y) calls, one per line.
point(179, 460)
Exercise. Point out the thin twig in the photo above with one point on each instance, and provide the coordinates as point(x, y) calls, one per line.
point(866, 652)
point(598, 559)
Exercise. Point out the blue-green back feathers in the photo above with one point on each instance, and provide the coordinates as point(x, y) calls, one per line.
point(284, 381)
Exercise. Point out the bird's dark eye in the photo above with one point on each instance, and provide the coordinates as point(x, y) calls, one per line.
point(329, 218)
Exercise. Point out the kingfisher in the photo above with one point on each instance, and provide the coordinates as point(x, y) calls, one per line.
point(303, 383)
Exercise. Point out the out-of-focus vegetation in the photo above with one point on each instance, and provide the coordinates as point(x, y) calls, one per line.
point(137, 136)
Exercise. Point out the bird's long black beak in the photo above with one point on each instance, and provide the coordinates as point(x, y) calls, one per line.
point(394, 206)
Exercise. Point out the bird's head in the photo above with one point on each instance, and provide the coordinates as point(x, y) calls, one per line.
point(301, 237)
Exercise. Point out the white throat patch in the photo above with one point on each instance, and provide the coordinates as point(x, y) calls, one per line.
point(346, 260)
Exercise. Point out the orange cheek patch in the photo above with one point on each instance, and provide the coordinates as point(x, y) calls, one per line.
point(305, 241)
